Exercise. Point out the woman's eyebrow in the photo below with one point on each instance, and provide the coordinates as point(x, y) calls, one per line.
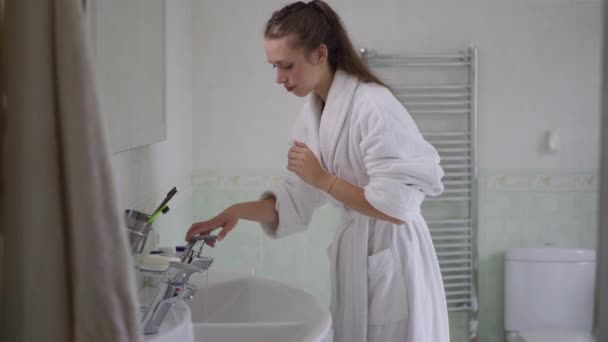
point(276, 63)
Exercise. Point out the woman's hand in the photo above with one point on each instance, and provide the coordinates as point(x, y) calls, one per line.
point(303, 162)
point(227, 220)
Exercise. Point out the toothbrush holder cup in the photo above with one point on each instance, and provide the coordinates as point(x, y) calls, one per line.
point(138, 228)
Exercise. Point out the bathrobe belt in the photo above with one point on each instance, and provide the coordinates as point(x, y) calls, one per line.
point(348, 255)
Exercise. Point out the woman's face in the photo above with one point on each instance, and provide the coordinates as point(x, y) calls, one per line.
point(297, 73)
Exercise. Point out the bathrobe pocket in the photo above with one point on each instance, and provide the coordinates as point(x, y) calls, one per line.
point(387, 296)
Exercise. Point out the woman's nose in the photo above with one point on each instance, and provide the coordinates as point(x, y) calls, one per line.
point(281, 78)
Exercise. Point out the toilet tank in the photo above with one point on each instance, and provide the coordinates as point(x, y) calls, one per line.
point(549, 288)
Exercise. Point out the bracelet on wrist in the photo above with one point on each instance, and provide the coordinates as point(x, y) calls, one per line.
point(332, 184)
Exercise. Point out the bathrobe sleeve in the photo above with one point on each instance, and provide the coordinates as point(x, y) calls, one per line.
point(296, 200)
point(401, 165)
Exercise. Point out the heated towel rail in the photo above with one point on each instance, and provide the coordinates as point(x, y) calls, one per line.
point(439, 90)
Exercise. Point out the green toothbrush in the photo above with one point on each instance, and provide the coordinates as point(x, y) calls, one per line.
point(163, 208)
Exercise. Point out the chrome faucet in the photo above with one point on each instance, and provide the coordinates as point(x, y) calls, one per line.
point(174, 284)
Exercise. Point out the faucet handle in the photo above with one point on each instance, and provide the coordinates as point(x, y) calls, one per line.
point(195, 247)
point(205, 238)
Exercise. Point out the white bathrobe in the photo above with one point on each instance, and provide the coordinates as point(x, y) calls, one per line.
point(386, 283)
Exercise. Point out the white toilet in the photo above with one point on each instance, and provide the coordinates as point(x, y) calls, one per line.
point(549, 294)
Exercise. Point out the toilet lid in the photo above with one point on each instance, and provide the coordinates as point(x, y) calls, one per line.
point(555, 336)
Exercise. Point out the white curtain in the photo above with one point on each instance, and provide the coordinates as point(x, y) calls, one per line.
point(67, 272)
point(602, 264)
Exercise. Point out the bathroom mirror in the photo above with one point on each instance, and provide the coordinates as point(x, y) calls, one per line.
point(128, 41)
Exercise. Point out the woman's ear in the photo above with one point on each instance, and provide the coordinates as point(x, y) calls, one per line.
point(320, 54)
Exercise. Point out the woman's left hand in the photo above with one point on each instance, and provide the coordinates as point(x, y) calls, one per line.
point(305, 164)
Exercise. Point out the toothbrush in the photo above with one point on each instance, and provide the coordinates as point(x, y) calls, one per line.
point(163, 206)
point(170, 195)
point(164, 210)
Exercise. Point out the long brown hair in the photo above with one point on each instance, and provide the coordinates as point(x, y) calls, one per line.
point(314, 23)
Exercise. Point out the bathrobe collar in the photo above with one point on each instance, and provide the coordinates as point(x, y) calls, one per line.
point(351, 323)
point(334, 114)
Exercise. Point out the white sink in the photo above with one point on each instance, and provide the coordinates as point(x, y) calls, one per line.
point(243, 307)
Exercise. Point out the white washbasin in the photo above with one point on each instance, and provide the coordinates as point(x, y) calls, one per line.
point(244, 307)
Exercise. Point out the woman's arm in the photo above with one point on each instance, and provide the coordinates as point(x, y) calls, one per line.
point(261, 211)
point(305, 164)
point(352, 196)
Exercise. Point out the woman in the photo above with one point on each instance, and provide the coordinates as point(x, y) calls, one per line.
point(354, 144)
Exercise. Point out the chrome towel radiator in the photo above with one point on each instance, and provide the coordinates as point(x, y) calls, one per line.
point(440, 92)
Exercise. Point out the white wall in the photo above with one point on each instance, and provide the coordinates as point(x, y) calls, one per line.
point(539, 69)
point(144, 175)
